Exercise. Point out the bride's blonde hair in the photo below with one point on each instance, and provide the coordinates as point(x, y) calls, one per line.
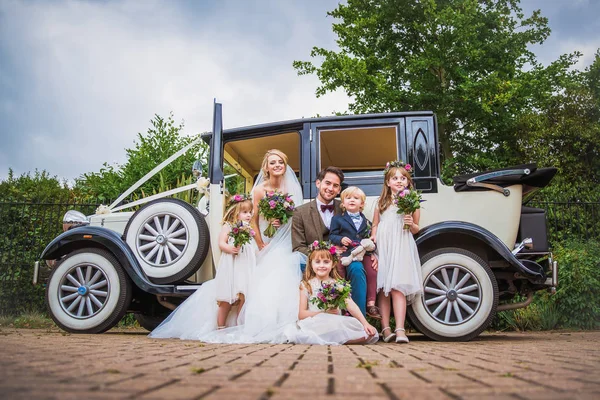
point(265, 161)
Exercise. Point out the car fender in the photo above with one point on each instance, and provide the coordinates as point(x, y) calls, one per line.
point(531, 270)
point(99, 237)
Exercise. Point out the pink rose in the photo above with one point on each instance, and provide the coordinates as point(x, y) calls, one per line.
point(235, 230)
point(288, 198)
point(237, 197)
point(407, 167)
point(402, 193)
point(332, 250)
point(252, 233)
point(315, 243)
point(270, 194)
point(272, 203)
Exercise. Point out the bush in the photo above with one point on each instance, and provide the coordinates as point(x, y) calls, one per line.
point(576, 303)
point(577, 297)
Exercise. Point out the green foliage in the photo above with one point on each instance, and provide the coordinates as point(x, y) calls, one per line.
point(576, 303)
point(468, 60)
point(31, 209)
point(161, 140)
point(30, 319)
point(37, 188)
point(577, 297)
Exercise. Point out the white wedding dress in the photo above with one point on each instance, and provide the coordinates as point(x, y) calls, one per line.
point(272, 299)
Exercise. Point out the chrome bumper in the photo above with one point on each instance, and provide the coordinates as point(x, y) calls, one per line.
point(552, 281)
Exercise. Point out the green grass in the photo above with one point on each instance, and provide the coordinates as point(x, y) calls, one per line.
point(28, 320)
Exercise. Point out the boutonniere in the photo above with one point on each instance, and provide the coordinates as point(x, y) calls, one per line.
point(368, 230)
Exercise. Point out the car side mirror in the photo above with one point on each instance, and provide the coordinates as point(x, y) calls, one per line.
point(197, 168)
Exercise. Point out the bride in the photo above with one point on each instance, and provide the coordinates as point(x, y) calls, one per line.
point(272, 300)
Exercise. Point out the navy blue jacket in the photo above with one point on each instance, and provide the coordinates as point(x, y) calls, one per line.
point(343, 226)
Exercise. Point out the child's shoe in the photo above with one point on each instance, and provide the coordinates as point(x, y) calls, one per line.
point(373, 312)
point(389, 337)
point(401, 336)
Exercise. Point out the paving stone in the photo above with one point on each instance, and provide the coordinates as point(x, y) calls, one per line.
point(40, 364)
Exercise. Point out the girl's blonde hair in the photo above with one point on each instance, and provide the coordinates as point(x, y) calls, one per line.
point(309, 273)
point(265, 161)
point(350, 190)
point(232, 213)
point(385, 200)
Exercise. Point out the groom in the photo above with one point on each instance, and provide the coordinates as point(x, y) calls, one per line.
point(311, 221)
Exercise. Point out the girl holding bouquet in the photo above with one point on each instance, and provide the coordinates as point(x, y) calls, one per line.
point(207, 311)
point(399, 276)
point(322, 294)
point(238, 257)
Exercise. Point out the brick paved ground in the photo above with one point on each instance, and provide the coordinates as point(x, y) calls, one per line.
point(50, 364)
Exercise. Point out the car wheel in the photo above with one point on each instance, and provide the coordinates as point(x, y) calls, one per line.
point(460, 296)
point(88, 292)
point(150, 322)
point(169, 238)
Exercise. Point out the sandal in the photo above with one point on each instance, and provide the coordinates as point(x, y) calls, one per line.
point(388, 338)
point(221, 327)
point(373, 312)
point(401, 337)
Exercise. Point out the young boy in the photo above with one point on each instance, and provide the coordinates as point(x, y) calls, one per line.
point(348, 230)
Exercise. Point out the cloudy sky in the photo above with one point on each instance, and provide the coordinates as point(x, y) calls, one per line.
point(79, 79)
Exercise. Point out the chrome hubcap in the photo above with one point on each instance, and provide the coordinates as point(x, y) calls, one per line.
point(162, 239)
point(84, 290)
point(452, 294)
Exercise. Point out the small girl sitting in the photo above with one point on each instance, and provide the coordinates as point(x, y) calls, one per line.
point(237, 262)
point(315, 326)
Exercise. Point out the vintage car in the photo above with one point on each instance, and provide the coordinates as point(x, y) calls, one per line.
point(481, 249)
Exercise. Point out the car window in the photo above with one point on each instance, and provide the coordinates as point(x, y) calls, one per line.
point(244, 157)
point(360, 152)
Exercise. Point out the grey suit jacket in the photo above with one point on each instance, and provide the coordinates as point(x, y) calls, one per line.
point(307, 225)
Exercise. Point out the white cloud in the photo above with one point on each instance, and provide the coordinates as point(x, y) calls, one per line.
point(99, 71)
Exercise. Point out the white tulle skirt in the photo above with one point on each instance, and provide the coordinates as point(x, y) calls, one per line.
point(325, 329)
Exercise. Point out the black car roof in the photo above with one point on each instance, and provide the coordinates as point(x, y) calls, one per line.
point(297, 124)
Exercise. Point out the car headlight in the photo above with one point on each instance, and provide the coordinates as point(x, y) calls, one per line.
point(73, 219)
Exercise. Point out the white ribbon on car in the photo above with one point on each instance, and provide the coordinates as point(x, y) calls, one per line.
point(157, 196)
point(150, 175)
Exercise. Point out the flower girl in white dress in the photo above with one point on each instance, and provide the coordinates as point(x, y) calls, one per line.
point(237, 262)
point(208, 309)
point(315, 326)
point(399, 274)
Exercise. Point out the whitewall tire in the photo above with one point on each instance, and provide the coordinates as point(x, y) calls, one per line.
point(88, 292)
point(460, 296)
point(169, 238)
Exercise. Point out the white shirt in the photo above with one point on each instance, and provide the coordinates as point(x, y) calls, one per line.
point(327, 215)
point(358, 221)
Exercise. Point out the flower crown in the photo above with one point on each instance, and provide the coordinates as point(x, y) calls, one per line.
point(397, 164)
point(322, 245)
point(237, 198)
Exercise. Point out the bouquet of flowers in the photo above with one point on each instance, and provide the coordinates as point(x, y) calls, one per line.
point(276, 205)
point(332, 295)
point(408, 201)
point(241, 233)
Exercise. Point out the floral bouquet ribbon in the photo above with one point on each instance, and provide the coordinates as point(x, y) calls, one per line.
point(276, 205)
point(241, 232)
point(332, 295)
point(408, 201)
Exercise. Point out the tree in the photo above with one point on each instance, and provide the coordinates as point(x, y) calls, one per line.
point(466, 60)
point(564, 132)
point(161, 140)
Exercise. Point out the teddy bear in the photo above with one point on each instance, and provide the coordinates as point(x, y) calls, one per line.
point(358, 252)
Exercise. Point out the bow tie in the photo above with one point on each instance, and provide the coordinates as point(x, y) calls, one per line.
point(327, 207)
point(355, 217)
